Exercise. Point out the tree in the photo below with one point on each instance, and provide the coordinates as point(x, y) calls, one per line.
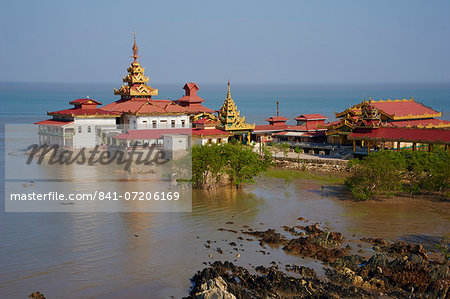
point(285, 148)
point(428, 171)
point(377, 174)
point(298, 151)
point(240, 164)
point(244, 164)
point(387, 172)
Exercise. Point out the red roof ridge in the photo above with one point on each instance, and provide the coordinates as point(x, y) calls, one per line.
point(210, 132)
point(311, 116)
point(277, 118)
point(83, 101)
point(58, 123)
point(396, 100)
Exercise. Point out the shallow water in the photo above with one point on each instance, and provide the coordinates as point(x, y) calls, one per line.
point(98, 255)
point(66, 255)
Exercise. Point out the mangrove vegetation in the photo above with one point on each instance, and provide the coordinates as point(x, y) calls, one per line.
point(229, 163)
point(387, 173)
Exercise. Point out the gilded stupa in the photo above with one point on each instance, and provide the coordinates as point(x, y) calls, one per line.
point(230, 119)
point(136, 80)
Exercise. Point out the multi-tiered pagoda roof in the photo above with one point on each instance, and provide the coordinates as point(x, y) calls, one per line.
point(137, 95)
point(229, 116)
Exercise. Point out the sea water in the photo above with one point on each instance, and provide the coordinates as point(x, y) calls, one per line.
point(117, 255)
point(22, 102)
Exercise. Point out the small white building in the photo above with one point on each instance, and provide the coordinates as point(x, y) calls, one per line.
point(205, 132)
point(77, 127)
point(175, 145)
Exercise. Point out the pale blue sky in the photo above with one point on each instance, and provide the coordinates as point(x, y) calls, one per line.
point(211, 41)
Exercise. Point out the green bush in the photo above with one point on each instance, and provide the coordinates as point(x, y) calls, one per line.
point(379, 173)
point(388, 172)
point(239, 163)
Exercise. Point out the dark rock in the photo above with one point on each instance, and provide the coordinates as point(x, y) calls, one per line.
point(269, 236)
point(36, 295)
point(375, 241)
point(302, 270)
point(350, 261)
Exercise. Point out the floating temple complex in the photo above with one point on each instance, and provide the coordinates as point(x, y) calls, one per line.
point(139, 119)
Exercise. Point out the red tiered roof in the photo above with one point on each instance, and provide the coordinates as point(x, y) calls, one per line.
point(191, 94)
point(276, 123)
point(52, 122)
point(277, 119)
point(84, 107)
point(210, 132)
point(303, 128)
point(191, 101)
point(84, 112)
point(125, 105)
point(402, 134)
point(271, 127)
point(188, 104)
point(85, 101)
point(316, 116)
point(160, 107)
point(405, 108)
point(145, 106)
point(205, 121)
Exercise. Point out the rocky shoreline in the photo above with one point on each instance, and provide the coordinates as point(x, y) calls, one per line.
point(393, 269)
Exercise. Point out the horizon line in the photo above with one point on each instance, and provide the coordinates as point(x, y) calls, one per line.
point(243, 83)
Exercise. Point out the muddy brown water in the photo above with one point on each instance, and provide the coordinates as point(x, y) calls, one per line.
point(67, 255)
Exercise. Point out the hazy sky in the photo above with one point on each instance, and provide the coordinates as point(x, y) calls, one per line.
point(211, 41)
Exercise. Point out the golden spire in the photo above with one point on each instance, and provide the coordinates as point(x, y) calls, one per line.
point(230, 117)
point(135, 48)
point(136, 80)
point(229, 91)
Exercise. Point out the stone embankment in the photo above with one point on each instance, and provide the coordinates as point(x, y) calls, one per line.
point(312, 164)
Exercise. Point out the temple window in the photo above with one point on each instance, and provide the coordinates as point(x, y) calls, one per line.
point(80, 129)
point(89, 129)
point(154, 124)
point(183, 123)
point(173, 124)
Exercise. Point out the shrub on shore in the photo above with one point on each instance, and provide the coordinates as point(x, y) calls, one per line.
point(238, 163)
point(389, 172)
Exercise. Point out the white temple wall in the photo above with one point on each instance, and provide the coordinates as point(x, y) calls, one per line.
point(159, 122)
point(86, 131)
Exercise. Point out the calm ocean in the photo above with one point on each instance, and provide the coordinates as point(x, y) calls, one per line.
point(29, 102)
point(153, 255)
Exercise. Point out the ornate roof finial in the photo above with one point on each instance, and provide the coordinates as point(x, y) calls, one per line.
point(278, 111)
point(229, 91)
point(135, 49)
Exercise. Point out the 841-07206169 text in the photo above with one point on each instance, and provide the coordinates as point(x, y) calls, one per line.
point(97, 195)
